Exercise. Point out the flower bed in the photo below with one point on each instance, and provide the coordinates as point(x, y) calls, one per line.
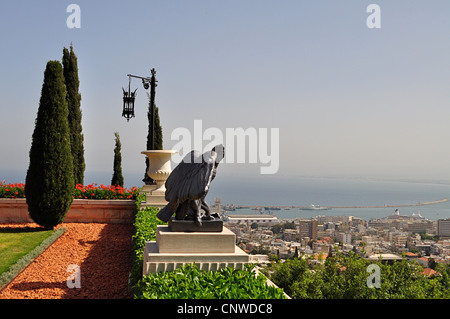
point(101, 204)
point(91, 191)
point(104, 192)
point(16, 190)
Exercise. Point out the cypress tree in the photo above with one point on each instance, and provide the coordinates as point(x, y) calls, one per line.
point(158, 140)
point(158, 131)
point(72, 82)
point(49, 183)
point(117, 178)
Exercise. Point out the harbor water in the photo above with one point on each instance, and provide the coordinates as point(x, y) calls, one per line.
point(336, 192)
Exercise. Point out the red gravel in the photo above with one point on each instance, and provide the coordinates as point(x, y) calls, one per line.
point(103, 253)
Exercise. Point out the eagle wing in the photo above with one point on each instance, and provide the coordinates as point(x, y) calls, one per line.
point(191, 178)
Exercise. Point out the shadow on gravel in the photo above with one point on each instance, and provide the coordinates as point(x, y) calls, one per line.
point(105, 272)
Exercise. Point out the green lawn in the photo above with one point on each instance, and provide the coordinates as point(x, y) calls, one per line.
point(17, 242)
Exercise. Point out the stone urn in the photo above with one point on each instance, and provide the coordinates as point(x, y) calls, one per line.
point(159, 168)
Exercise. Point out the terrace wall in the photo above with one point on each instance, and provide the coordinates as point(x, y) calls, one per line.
point(82, 211)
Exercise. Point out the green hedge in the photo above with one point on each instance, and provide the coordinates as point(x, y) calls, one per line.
point(189, 282)
point(144, 230)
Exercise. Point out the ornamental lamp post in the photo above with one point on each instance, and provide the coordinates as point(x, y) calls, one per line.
point(159, 167)
point(128, 101)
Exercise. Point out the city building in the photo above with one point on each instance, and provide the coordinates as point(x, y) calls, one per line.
point(308, 228)
point(443, 227)
point(344, 238)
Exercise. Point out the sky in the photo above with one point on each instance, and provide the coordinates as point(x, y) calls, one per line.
point(346, 99)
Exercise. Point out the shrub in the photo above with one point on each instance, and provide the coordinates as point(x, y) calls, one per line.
point(144, 230)
point(189, 282)
point(345, 277)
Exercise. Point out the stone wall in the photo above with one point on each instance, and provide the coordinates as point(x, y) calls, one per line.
point(81, 211)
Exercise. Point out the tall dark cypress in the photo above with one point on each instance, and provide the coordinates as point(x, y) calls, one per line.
point(158, 136)
point(158, 131)
point(49, 182)
point(72, 82)
point(117, 178)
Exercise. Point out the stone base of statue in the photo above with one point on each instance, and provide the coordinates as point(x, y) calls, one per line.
point(153, 200)
point(148, 188)
point(210, 251)
point(214, 224)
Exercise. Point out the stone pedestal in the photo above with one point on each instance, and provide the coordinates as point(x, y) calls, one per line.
point(215, 224)
point(208, 250)
point(154, 201)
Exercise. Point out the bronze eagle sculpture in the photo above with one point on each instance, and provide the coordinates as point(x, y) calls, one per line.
point(188, 185)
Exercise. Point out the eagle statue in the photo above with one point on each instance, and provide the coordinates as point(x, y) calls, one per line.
point(188, 185)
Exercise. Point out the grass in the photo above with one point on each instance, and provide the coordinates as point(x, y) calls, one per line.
point(17, 242)
point(18, 247)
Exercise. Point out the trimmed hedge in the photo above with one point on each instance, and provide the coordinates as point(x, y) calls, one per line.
point(144, 230)
point(189, 282)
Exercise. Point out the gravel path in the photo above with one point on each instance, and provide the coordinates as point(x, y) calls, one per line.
point(103, 253)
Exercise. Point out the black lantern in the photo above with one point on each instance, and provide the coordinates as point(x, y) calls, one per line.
point(128, 102)
point(128, 111)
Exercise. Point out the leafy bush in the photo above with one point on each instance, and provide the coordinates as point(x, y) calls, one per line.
point(144, 230)
point(189, 282)
point(345, 276)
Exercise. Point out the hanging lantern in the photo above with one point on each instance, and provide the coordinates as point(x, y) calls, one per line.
point(128, 102)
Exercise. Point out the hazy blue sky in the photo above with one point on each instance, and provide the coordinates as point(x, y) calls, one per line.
point(348, 100)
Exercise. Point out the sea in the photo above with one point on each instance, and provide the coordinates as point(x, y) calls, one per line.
point(304, 191)
point(273, 190)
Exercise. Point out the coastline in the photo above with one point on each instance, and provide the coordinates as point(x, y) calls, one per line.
point(356, 206)
point(402, 205)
